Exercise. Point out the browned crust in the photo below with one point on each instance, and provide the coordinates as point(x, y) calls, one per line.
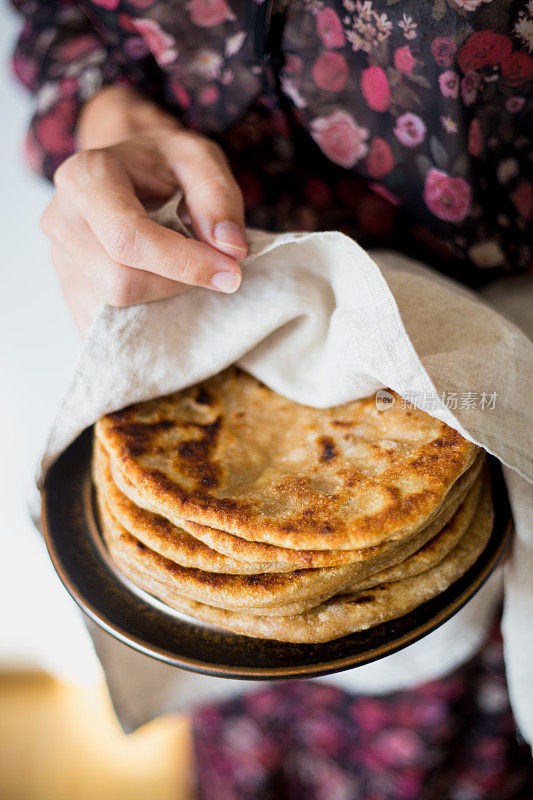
point(160, 534)
point(281, 593)
point(340, 615)
point(281, 559)
point(364, 510)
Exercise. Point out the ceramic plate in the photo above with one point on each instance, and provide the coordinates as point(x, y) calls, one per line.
point(151, 627)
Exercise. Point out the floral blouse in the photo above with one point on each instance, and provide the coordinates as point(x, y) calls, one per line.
point(404, 123)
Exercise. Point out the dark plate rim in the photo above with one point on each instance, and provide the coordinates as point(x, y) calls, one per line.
point(99, 616)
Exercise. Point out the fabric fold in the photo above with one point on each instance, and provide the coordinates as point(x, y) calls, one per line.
point(322, 322)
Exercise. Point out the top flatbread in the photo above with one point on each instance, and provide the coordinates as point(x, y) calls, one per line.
point(224, 552)
point(277, 593)
point(232, 454)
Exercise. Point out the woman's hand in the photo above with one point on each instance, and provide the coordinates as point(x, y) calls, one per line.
point(104, 246)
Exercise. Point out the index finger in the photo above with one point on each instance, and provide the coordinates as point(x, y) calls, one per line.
point(106, 198)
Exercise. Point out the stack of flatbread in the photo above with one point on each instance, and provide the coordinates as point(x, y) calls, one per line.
point(260, 516)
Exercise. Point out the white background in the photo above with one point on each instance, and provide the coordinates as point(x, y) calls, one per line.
point(40, 627)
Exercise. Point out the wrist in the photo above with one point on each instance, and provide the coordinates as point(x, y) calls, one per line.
point(116, 113)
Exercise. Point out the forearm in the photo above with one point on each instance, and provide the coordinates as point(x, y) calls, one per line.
point(116, 113)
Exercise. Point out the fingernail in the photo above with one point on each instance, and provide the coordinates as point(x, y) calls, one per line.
point(227, 282)
point(229, 235)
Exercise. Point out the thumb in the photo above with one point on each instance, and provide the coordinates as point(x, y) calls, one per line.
point(213, 197)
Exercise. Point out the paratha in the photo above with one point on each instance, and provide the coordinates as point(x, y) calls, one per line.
point(222, 589)
point(232, 454)
point(274, 592)
point(340, 615)
point(160, 534)
point(279, 559)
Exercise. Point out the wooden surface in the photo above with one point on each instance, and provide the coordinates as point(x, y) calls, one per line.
point(61, 742)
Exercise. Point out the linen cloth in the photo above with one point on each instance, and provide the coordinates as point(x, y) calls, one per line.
point(322, 322)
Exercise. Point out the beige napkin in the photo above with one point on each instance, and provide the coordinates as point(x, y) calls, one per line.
point(322, 322)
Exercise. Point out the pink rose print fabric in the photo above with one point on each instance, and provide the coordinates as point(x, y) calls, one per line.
point(403, 123)
point(447, 197)
point(340, 138)
point(453, 739)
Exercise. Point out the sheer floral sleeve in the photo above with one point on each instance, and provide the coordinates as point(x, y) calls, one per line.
point(403, 124)
point(60, 57)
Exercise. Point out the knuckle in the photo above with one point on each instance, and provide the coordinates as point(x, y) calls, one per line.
point(219, 189)
point(93, 162)
point(186, 269)
point(64, 174)
point(81, 167)
point(120, 239)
